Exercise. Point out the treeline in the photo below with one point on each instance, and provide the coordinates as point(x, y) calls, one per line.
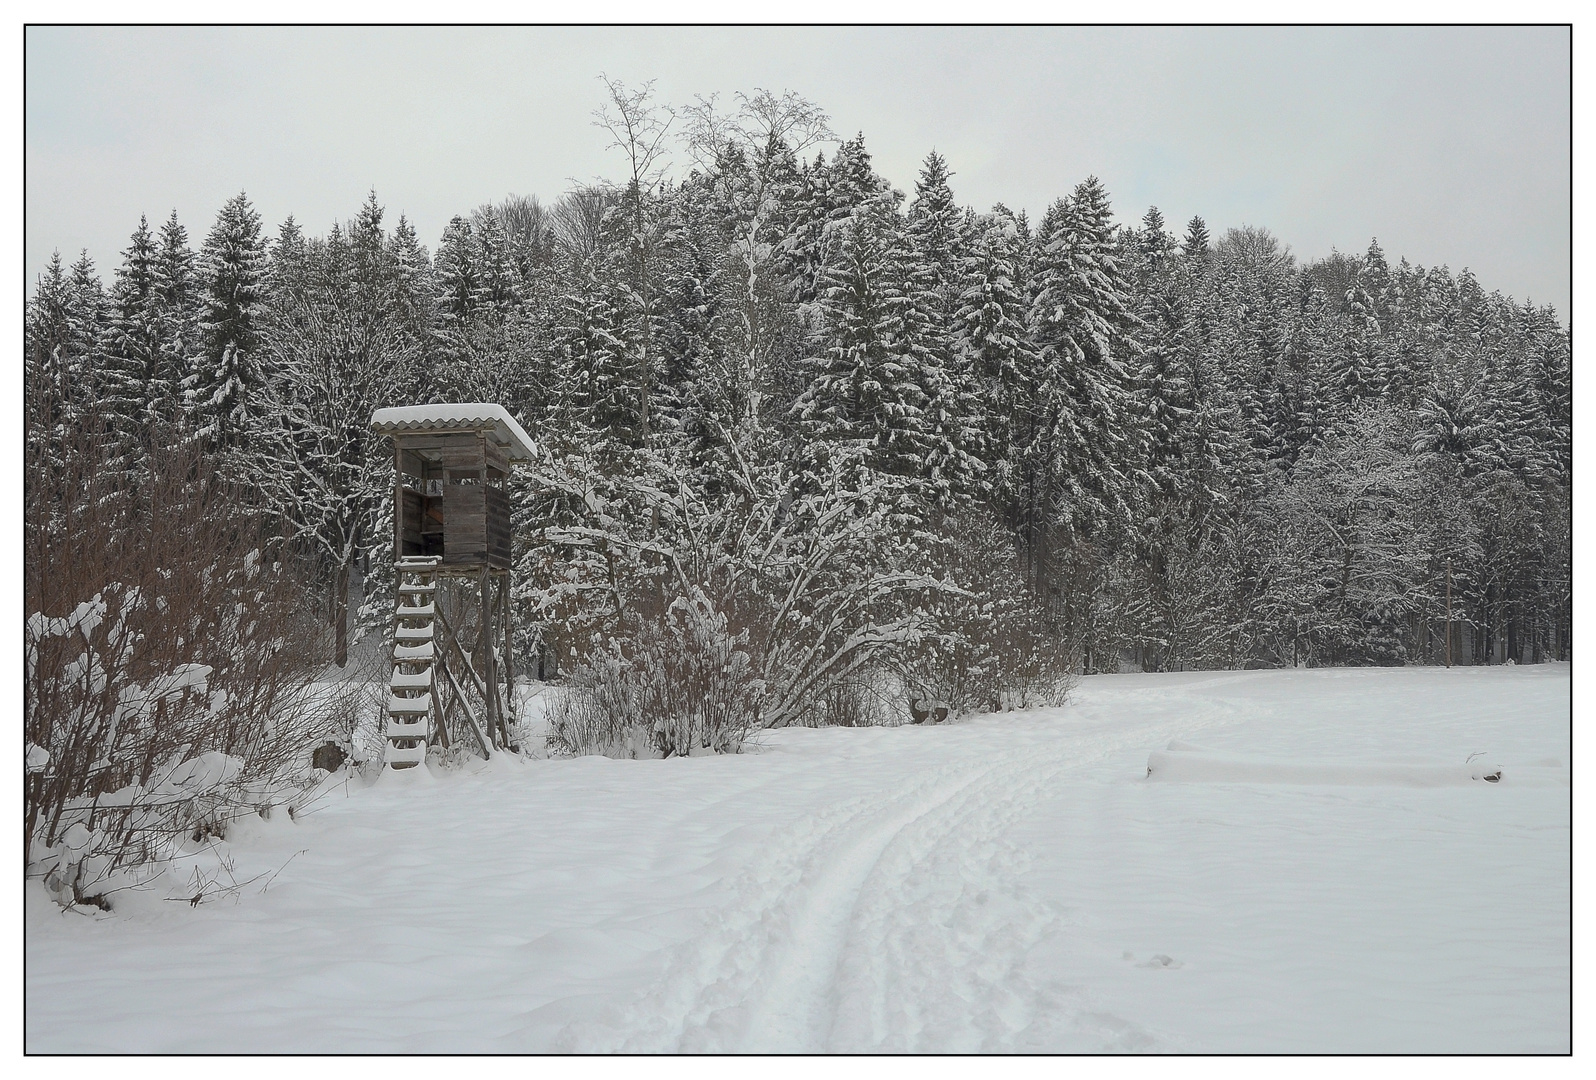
point(846, 432)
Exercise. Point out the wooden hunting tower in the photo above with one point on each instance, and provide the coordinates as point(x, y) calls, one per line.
point(451, 464)
point(451, 539)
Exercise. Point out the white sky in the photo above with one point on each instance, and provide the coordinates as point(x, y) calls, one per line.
point(1450, 145)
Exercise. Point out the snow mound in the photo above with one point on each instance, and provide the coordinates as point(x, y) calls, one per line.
point(208, 770)
point(1189, 765)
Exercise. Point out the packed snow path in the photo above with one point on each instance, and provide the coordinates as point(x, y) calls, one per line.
point(1010, 883)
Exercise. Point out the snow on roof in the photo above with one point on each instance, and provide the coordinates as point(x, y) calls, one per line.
point(475, 415)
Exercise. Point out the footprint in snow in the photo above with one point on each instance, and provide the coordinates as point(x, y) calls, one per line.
point(1160, 961)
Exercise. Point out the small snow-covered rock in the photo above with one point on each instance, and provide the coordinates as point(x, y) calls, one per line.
point(1160, 961)
point(205, 771)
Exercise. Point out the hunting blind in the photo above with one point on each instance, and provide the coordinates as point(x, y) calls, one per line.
point(451, 545)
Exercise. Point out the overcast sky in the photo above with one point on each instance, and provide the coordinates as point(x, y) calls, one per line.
point(1450, 145)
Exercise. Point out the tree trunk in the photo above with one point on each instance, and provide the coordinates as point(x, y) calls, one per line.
point(341, 617)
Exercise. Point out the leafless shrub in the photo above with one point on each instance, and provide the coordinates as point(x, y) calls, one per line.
point(166, 661)
point(685, 683)
point(859, 701)
point(351, 709)
point(989, 645)
point(805, 576)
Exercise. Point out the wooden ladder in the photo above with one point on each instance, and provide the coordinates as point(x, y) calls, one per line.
point(411, 693)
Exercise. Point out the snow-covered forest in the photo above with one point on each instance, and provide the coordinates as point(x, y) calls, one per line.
point(803, 436)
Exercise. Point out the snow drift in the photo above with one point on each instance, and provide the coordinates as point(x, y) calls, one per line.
point(1185, 763)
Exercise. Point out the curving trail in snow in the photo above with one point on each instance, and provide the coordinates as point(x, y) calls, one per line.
point(1010, 883)
point(789, 965)
point(895, 921)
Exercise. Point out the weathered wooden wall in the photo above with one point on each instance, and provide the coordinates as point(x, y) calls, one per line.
point(473, 511)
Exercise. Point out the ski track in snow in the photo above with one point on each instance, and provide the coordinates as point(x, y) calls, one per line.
point(889, 923)
point(1005, 884)
point(775, 984)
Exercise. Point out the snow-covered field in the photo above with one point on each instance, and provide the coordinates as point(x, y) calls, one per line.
point(1311, 866)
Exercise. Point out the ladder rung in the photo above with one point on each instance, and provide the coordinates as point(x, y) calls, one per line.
point(396, 730)
point(404, 680)
point(414, 755)
point(423, 611)
point(418, 588)
point(398, 704)
point(413, 633)
point(413, 653)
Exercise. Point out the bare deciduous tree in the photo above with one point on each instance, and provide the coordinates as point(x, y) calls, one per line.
point(749, 154)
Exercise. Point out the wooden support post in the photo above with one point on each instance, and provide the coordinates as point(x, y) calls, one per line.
point(509, 643)
point(398, 501)
point(483, 655)
point(437, 708)
point(476, 680)
point(476, 728)
point(490, 641)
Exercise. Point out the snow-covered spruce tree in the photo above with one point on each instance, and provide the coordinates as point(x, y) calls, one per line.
point(62, 329)
point(698, 401)
point(1178, 484)
point(1359, 367)
point(1082, 462)
point(599, 403)
point(1154, 245)
point(1251, 280)
point(932, 254)
point(411, 278)
point(178, 291)
point(585, 424)
point(459, 279)
point(223, 386)
point(1404, 349)
point(992, 342)
point(866, 383)
point(1310, 369)
point(829, 196)
point(1197, 244)
point(937, 236)
point(90, 310)
point(811, 234)
point(500, 286)
point(138, 388)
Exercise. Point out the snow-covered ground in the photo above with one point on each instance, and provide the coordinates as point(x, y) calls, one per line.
point(1310, 866)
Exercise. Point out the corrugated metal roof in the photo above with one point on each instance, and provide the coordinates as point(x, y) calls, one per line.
point(475, 415)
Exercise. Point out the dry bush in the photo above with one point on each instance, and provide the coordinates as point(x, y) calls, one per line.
point(167, 659)
point(859, 701)
point(989, 645)
point(808, 575)
point(685, 683)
